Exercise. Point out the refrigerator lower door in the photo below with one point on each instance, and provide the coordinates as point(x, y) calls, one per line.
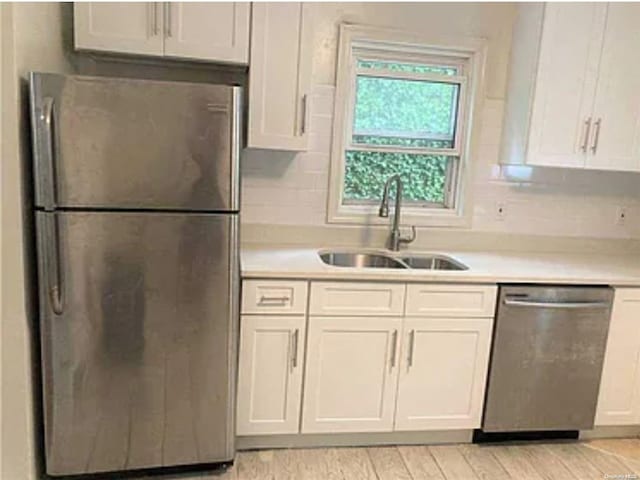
point(122, 143)
point(138, 333)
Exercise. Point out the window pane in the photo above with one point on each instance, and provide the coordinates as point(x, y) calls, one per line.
point(424, 177)
point(407, 67)
point(413, 113)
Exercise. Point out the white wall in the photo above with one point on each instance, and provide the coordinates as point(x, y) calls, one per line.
point(282, 189)
point(31, 40)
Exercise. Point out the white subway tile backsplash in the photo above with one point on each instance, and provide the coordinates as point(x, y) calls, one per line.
point(283, 188)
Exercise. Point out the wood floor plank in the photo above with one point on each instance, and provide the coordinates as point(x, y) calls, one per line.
point(255, 465)
point(516, 463)
point(452, 462)
point(575, 461)
point(548, 465)
point(605, 462)
point(388, 464)
point(484, 463)
point(355, 463)
point(619, 449)
point(420, 463)
point(318, 464)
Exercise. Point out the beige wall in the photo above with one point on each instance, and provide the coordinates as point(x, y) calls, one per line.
point(31, 40)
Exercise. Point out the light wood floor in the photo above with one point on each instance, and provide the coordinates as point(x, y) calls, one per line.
point(596, 459)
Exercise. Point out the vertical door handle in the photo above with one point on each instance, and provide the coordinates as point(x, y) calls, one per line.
point(152, 12)
point(303, 119)
point(294, 340)
point(394, 347)
point(412, 344)
point(596, 135)
point(585, 132)
point(46, 175)
point(167, 19)
point(54, 272)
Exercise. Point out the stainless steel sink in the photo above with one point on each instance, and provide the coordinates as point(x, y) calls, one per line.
point(383, 260)
point(360, 260)
point(433, 262)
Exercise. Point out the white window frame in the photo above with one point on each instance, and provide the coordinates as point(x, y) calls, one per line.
point(466, 53)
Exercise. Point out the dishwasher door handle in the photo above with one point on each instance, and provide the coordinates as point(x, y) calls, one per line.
point(559, 305)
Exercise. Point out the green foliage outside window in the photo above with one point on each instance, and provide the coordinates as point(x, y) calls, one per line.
point(403, 113)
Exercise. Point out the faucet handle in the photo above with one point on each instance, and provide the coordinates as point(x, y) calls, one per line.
point(410, 238)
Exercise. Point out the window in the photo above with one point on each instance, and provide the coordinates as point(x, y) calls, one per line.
point(401, 108)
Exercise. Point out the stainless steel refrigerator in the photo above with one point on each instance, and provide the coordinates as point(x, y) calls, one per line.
point(136, 210)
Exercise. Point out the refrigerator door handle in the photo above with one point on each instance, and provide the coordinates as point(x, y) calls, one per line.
point(54, 277)
point(47, 180)
point(236, 146)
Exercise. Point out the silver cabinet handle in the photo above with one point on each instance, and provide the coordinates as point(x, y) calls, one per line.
point(559, 305)
point(394, 348)
point(153, 18)
point(51, 238)
point(167, 20)
point(303, 121)
point(585, 139)
point(294, 348)
point(412, 344)
point(596, 135)
point(47, 177)
point(274, 301)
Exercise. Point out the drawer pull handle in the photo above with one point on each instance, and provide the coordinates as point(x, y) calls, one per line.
point(274, 301)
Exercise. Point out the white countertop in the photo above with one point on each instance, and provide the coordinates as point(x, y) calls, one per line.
point(558, 268)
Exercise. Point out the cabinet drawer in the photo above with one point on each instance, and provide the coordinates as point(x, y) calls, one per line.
point(274, 296)
point(356, 298)
point(451, 300)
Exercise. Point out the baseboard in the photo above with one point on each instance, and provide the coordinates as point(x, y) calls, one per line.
point(353, 439)
point(611, 432)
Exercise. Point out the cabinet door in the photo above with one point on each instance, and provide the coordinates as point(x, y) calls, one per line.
point(279, 76)
point(130, 27)
point(619, 399)
point(615, 142)
point(565, 84)
point(351, 374)
point(216, 31)
point(443, 373)
point(270, 374)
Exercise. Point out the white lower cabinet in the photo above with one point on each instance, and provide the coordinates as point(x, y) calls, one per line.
point(443, 373)
point(377, 357)
point(351, 374)
point(270, 374)
point(619, 400)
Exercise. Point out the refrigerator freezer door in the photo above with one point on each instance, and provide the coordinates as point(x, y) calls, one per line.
point(120, 143)
point(139, 351)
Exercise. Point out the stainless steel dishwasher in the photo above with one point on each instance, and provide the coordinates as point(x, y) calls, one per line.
point(546, 358)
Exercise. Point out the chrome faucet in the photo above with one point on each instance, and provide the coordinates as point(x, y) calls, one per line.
point(395, 238)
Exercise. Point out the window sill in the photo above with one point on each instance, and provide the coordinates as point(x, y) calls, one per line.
point(368, 215)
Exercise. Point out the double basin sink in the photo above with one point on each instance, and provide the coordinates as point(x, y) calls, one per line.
point(355, 259)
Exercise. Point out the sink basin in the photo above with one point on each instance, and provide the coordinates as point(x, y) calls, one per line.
point(433, 262)
point(359, 260)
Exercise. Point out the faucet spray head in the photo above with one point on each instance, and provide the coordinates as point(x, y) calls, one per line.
point(384, 211)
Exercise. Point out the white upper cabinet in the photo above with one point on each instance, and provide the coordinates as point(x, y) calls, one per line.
point(211, 31)
point(565, 84)
point(572, 98)
point(134, 27)
point(279, 76)
point(615, 141)
point(217, 31)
